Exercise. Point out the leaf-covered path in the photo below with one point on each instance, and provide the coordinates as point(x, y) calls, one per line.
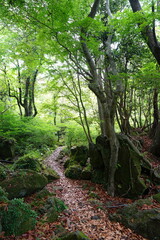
point(88, 209)
point(89, 206)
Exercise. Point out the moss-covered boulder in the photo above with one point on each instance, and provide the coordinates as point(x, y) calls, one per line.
point(23, 183)
point(156, 175)
point(67, 163)
point(86, 173)
point(145, 222)
point(18, 218)
point(75, 236)
point(79, 154)
point(128, 181)
point(44, 193)
point(74, 172)
point(50, 174)
point(95, 154)
point(28, 161)
point(128, 174)
point(7, 148)
point(51, 209)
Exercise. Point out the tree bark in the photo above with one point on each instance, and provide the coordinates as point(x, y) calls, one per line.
point(155, 113)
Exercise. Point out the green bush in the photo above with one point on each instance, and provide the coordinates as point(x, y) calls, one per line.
point(28, 161)
point(74, 135)
point(18, 218)
point(29, 133)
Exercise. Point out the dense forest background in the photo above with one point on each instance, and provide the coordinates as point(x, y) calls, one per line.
point(71, 71)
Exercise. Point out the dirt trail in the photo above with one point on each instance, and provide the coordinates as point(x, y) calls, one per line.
point(86, 214)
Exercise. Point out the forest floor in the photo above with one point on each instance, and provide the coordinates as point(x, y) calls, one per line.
point(85, 212)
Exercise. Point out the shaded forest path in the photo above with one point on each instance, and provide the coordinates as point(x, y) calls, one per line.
point(88, 206)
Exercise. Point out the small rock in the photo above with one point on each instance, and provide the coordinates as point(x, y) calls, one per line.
point(96, 217)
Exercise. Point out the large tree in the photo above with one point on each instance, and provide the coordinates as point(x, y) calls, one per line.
point(148, 31)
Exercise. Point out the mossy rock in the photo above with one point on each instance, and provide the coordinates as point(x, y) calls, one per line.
point(28, 161)
point(51, 215)
point(80, 154)
point(51, 208)
point(86, 174)
point(7, 148)
point(145, 222)
point(128, 181)
point(43, 193)
point(67, 163)
point(74, 172)
point(23, 183)
point(50, 174)
point(60, 231)
point(18, 218)
point(128, 174)
point(95, 154)
point(156, 175)
point(75, 236)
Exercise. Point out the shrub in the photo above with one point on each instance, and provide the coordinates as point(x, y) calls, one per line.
point(74, 135)
point(18, 218)
point(29, 133)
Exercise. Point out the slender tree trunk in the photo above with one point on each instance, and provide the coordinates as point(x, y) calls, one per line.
point(155, 113)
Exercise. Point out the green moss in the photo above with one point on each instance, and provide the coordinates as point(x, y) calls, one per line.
point(23, 183)
point(3, 173)
point(43, 193)
point(75, 236)
point(18, 218)
point(3, 195)
point(87, 172)
point(145, 222)
point(67, 163)
point(51, 208)
point(74, 172)
point(50, 174)
point(157, 197)
point(28, 161)
point(51, 215)
point(94, 195)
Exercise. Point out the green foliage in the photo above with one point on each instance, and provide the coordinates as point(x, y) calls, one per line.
point(74, 135)
point(28, 161)
point(18, 218)
point(3, 195)
point(94, 195)
point(59, 205)
point(29, 133)
point(3, 173)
